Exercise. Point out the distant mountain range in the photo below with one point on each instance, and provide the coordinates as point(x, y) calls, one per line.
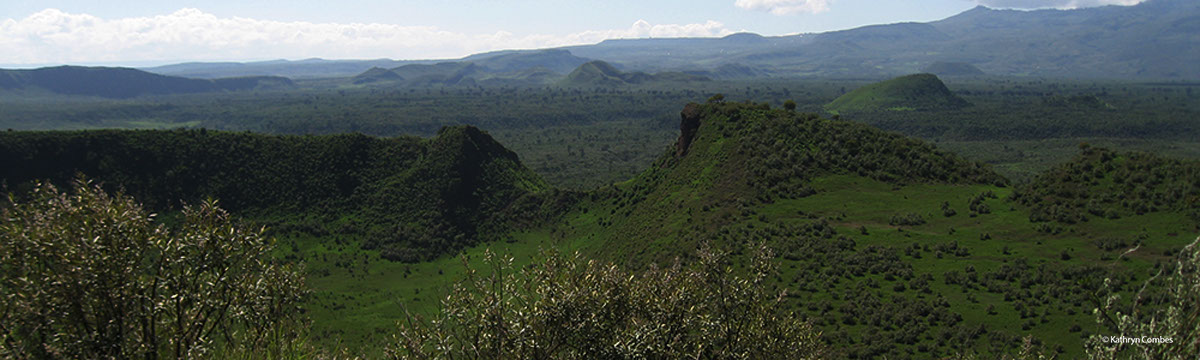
point(505, 68)
point(124, 82)
point(1157, 39)
point(309, 68)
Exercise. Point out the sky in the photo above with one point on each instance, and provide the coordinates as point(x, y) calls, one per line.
point(150, 32)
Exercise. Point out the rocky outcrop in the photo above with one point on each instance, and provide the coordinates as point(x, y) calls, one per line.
point(689, 124)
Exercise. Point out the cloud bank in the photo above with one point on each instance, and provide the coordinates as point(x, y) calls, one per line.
point(1057, 4)
point(785, 7)
point(53, 36)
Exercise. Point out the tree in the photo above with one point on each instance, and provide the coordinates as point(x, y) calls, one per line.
point(789, 105)
point(88, 275)
point(570, 308)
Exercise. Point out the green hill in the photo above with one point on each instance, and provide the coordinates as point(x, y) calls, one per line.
point(375, 75)
point(596, 73)
point(508, 71)
point(445, 73)
point(890, 246)
point(730, 156)
point(556, 60)
point(124, 82)
point(911, 92)
point(599, 73)
point(529, 76)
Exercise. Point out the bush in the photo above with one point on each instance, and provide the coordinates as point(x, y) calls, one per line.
point(1179, 321)
point(946, 210)
point(911, 219)
point(570, 308)
point(90, 276)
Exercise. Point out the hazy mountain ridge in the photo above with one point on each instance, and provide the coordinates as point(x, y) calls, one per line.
point(124, 82)
point(536, 67)
point(1100, 42)
point(599, 73)
point(1104, 42)
point(309, 68)
point(942, 68)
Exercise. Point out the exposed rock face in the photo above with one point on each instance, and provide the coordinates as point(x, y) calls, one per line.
point(688, 125)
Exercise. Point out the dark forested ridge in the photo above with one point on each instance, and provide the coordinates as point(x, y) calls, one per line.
point(438, 192)
point(109, 82)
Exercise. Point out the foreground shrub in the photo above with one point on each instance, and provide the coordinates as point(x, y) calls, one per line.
point(91, 276)
point(571, 308)
point(1170, 332)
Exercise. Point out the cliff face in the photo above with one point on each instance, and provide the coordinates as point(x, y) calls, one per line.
point(689, 124)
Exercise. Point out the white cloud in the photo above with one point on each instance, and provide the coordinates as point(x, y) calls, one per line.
point(54, 36)
point(785, 7)
point(1057, 4)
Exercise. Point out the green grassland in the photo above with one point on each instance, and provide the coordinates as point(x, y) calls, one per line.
point(359, 297)
point(877, 286)
point(1018, 280)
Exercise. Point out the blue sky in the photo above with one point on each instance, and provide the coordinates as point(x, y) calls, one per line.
point(140, 32)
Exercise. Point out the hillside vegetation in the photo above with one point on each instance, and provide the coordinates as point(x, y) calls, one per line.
point(1101, 183)
point(411, 198)
point(890, 246)
point(885, 244)
point(89, 275)
point(732, 156)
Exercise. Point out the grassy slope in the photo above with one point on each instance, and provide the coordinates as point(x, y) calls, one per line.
point(911, 92)
point(668, 209)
